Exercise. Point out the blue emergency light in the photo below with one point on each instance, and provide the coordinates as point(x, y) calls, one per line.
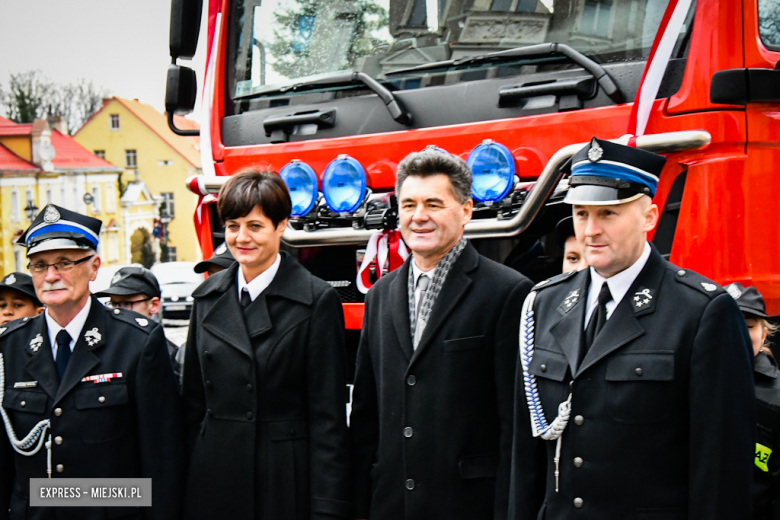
point(344, 184)
point(493, 171)
point(302, 183)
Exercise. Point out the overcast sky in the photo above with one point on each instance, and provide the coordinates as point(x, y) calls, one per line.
point(120, 45)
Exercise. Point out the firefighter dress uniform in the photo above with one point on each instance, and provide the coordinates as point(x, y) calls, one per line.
point(114, 414)
point(655, 419)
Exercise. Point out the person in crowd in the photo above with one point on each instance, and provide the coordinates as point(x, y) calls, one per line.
point(766, 472)
point(633, 373)
point(17, 298)
point(573, 259)
point(96, 381)
point(264, 387)
point(221, 259)
point(432, 403)
point(136, 289)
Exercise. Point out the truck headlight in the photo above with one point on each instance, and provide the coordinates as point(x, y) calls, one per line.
point(493, 171)
point(344, 184)
point(301, 181)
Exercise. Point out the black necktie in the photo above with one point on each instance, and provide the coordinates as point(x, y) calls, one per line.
point(598, 319)
point(63, 352)
point(245, 298)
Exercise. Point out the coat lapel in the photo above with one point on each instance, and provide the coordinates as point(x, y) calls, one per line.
point(399, 308)
point(454, 289)
point(224, 318)
point(83, 359)
point(569, 330)
point(41, 364)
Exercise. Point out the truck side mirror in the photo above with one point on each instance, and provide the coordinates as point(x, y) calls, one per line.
point(181, 90)
point(742, 86)
point(185, 26)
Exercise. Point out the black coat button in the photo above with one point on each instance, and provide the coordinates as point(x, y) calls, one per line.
point(207, 354)
point(410, 484)
point(411, 380)
point(209, 385)
point(408, 432)
point(248, 388)
point(209, 413)
point(249, 415)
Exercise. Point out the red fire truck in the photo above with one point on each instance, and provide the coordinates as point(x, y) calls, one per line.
point(334, 94)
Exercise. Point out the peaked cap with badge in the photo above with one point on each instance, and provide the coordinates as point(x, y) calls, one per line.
point(221, 258)
point(132, 280)
point(605, 173)
point(60, 228)
point(749, 299)
point(23, 284)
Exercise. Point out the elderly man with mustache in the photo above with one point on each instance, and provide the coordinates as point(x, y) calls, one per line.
point(94, 387)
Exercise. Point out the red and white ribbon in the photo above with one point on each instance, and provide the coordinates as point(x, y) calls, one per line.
point(382, 245)
point(660, 54)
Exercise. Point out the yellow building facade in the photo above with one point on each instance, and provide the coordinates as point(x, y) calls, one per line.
point(136, 138)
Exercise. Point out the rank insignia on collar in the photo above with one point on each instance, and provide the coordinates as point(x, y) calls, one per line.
point(642, 298)
point(36, 343)
point(596, 151)
point(142, 321)
point(10, 279)
point(709, 287)
point(571, 299)
point(92, 337)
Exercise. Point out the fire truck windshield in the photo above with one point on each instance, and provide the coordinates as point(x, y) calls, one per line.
point(279, 43)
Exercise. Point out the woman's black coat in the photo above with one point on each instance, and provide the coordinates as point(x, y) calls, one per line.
point(265, 414)
point(766, 481)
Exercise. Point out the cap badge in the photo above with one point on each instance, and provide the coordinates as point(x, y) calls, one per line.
point(142, 321)
point(221, 249)
point(10, 279)
point(36, 343)
point(734, 291)
point(709, 287)
point(596, 152)
point(92, 337)
point(572, 298)
point(51, 215)
point(116, 278)
point(642, 298)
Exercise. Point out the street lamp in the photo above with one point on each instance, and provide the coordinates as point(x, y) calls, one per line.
point(31, 210)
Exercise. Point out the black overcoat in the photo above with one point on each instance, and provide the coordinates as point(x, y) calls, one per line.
point(662, 422)
point(128, 427)
point(265, 401)
point(431, 427)
point(766, 482)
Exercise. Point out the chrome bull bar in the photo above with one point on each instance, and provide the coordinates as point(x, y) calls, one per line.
point(482, 228)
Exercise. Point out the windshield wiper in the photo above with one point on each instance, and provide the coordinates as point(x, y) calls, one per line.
point(394, 106)
point(531, 51)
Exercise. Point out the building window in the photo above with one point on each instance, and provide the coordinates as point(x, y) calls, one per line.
point(28, 197)
point(76, 203)
point(114, 121)
point(595, 19)
point(101, 154)
point(16, 214)
point(165, 163)
point(131, 159)
point(172, 254)
point(113, 247)
point(110, 198)
point(48, 196)
point(167, 210)
point(96, 205)
point(18, 260)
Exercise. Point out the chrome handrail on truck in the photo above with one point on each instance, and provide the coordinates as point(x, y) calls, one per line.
point(481, 228)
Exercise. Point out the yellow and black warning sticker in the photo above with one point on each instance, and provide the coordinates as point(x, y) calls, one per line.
point(762, 456)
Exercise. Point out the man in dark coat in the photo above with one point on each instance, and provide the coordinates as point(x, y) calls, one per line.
point(100, 378)
point(635, 373)
point(432, 404)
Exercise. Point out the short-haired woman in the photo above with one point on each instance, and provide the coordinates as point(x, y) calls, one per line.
point(766, 473)
point(264, 386)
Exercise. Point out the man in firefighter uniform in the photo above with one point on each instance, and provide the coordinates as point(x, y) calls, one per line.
point(635, 378)
point(89, 392)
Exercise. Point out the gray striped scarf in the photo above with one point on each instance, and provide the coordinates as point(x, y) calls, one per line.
point(442, 270)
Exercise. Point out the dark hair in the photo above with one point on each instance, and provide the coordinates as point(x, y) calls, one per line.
point(432, 162)
point(249, 188)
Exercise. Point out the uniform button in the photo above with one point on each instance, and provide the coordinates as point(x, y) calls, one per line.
point(102, 399)
point(638, 371)
point(578, 502)
point(209, 413)
point(207, 354)
point(60, 468)
point(543, 368)
point(58, 440)
point(408, 432)
point(411, 380)
point(578, 420)
point(249, 415)
point(681, 272)
point(23, 404)
point(292, 432)
point(25, 318)
point(117, 311)
point(249, 388)
point(208, 385)
point(58, 411)
point(571, 384)
point(410, 484)
point(577, 462)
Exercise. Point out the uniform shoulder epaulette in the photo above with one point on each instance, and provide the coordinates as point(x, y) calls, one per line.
point(17, 324)
point(553, 281)
point(133, 318)
point(697, 281)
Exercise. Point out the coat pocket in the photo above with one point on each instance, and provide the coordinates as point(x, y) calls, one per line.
point(482, 466)
point(103, 406)
point(460, 344)
point(641, 387)
point(548, 364)
point(25, 401)
point(288, 470)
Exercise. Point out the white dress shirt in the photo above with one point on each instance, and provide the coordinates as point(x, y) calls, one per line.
point(73, 328)
point(619, 285)
point(261, 281)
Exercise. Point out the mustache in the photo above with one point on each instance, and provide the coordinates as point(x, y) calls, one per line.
point(53, 286)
